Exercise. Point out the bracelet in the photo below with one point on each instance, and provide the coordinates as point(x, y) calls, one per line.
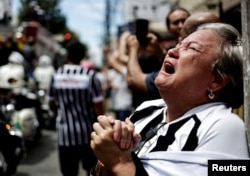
point(100, 163)
point(100, 170)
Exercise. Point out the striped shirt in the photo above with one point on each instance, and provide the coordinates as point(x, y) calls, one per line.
point(75, 89)
point(200, 129)
point(184, 146)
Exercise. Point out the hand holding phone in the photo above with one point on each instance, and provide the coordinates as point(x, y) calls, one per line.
point(141, 31)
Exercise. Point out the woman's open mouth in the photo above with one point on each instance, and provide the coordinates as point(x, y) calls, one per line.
point(169, 68)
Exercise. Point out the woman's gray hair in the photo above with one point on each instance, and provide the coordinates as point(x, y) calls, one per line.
point(229, 63)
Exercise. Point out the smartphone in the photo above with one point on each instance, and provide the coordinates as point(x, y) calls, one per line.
point(141, 31)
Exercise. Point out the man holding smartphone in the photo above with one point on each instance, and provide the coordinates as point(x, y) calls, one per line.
point(141, 72)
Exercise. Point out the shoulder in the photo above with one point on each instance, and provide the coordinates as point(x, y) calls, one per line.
point(221, 119)
point(230, 122)
point(152, 75)
point(216, 112)
point(225, 114)
point(220, 130)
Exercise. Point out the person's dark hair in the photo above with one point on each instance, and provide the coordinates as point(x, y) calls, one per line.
point(76, 52)
point(173, 10)
point(229, 63)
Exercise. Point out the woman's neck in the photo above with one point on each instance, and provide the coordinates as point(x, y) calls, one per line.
point(175, 112)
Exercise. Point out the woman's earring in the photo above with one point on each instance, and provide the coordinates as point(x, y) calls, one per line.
point(211, 94)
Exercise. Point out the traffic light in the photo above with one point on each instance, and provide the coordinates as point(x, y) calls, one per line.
point(67, 36)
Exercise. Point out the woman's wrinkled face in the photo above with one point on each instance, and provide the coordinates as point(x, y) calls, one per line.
point(187, 68)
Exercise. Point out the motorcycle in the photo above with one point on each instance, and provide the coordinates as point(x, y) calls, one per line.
point(21, 110)
point(12, 147)
point(48, 117)
point(20, 104)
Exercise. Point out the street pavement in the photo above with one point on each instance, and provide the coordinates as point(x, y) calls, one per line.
point(42, 158)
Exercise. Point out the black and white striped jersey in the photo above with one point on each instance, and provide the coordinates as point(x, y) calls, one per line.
point(75, 89)
point(207, 128)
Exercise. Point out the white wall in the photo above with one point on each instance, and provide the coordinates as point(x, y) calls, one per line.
point(153, 10)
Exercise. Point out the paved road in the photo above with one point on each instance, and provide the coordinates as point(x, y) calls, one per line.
point(42, 159)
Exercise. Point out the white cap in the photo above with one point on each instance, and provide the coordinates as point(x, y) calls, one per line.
point(44, 60)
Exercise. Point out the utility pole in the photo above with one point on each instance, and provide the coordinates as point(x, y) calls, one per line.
point(107, 24)
point(245, 18)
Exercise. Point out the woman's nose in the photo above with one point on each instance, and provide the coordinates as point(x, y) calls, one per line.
point(173, 52)
point(180, 25)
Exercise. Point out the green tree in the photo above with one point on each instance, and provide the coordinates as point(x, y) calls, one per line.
point(49, 15)
point(53, 19)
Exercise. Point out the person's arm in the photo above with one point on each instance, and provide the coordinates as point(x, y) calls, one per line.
point(154, 43)
point(150, 83)
point(99, 108)
point(122, 48)
point(135, 76)
point(114, 62)
point(53, 105)
point(98, 95)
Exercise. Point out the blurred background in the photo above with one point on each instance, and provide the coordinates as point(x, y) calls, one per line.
point(45, 27)
point(52, 23)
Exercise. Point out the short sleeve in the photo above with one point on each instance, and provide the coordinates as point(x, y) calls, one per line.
point(150, 82)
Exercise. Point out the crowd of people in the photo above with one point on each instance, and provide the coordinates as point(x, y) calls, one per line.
point(200, 83)
point(171, 107)
point(21, 53)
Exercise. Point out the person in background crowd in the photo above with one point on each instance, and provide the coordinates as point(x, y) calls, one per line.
point(175, 21)
point(101, 73)
point(7, 45)
point(76, 94)
point(195, 20)
point(120, 95)
point(42, 77)
point(143, 82)
point(30, 55)
point(14, 75)
point(43, 72)
point(87, 63)
point(200, 81)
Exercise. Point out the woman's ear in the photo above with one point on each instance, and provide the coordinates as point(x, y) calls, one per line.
point(218, 83)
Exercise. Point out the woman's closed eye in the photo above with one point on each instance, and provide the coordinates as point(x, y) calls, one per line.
point(193, 46)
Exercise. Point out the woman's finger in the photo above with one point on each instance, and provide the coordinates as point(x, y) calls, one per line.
point(104, 122)
point(131, 129)
point(136, 139)
point(126, 137)
point(117, 127)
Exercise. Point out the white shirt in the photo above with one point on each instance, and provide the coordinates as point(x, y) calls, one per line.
point(43, 75)
point(121, 96)
point(221, 134)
